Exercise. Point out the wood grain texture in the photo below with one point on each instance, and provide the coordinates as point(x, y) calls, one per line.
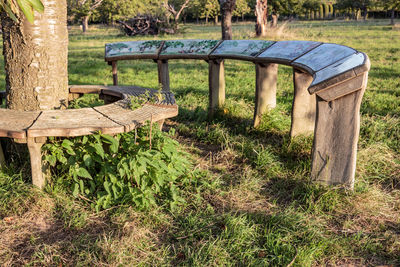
point(335, 139)
point(342, 89)
point(163, 74)
point(323, 56)
point(286, 51)
point(121, 113)
point(72, 122)
point(304, 105)
point(13, 123)
point(216, 82)
point(38, 178)
point(266, 86)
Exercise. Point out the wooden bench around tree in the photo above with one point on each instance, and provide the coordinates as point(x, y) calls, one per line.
point(117, 116)
point(329, 82)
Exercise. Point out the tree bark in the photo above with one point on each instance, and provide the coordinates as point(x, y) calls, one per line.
point(36, 59)
point(261, 14)
point(227, 7)
point(392, 17)
point(274, 22)
point(85, 23)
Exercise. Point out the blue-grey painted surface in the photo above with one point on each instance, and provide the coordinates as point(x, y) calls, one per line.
point(240, 48)
point(339, 67)
point(324, 55)
point(288, 50)
point(133, 48)
point(188, 47)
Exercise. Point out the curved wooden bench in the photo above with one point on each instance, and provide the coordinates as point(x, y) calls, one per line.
point(33, 127)
point(329, 82)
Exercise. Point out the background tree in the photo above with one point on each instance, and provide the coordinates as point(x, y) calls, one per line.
point(211, 10)
point(242, 9)
point(227, 7)
point(36, 57)
point(391, 5)
point(261, 12)
point(172, 8)
point(82, 10)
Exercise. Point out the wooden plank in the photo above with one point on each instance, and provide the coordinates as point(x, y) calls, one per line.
point(121, 113)
point(190, 49)
point(123, 92)
point(286, 51)
point(72, 122)
point(132, 50)
point(266, 85)
point(86, 89)
point(322, 56)
point(342, 89)
point(240, 49)
point(14, 123)
point(338, 68)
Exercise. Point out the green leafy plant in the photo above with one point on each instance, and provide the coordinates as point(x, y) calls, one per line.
point(13, 7)
point(126, 169)
point(147, 97)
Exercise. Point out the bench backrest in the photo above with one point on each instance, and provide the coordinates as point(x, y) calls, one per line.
point(324, 61)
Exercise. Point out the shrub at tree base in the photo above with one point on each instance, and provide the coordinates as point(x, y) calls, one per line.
point(140, 168)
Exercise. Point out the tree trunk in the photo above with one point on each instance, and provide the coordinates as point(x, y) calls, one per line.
point(365, 13)
point(274, 22)
point(227, 8)
point(261, 14)
point(85, 23)
point(392, 17)
point(216, 20)
point(206, 19)
point(36, 59)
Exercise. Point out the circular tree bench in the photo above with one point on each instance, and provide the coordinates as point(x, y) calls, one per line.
point(117, 116)
point(329, 82)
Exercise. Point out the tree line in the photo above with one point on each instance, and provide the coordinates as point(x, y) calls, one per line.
point(175, 11)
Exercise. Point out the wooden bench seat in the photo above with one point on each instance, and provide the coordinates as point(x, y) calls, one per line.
point(33, 127)
point(329, 82)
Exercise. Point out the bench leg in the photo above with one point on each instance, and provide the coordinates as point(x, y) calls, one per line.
point(160, 124)
point(115, 72)
point(2, 158)
point(335, 139)
point(163, 74)
point(38, 177)
point(304, 105)
point(216, 82)
point(266, 84)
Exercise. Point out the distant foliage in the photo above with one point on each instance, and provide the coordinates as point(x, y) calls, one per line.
point(143, 169)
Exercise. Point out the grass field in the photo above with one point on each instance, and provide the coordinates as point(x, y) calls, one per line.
point(253, 204)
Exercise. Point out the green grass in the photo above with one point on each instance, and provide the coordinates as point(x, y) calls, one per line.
point(254, 204)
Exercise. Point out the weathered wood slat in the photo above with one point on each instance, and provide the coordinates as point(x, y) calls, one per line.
point(189, 49)
point(240, 49)
point(132, 50)
point(121, 113)
point(323, 56)
point(72, 122)
point(286, 51)
point(342, 89)
point(14, 123)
